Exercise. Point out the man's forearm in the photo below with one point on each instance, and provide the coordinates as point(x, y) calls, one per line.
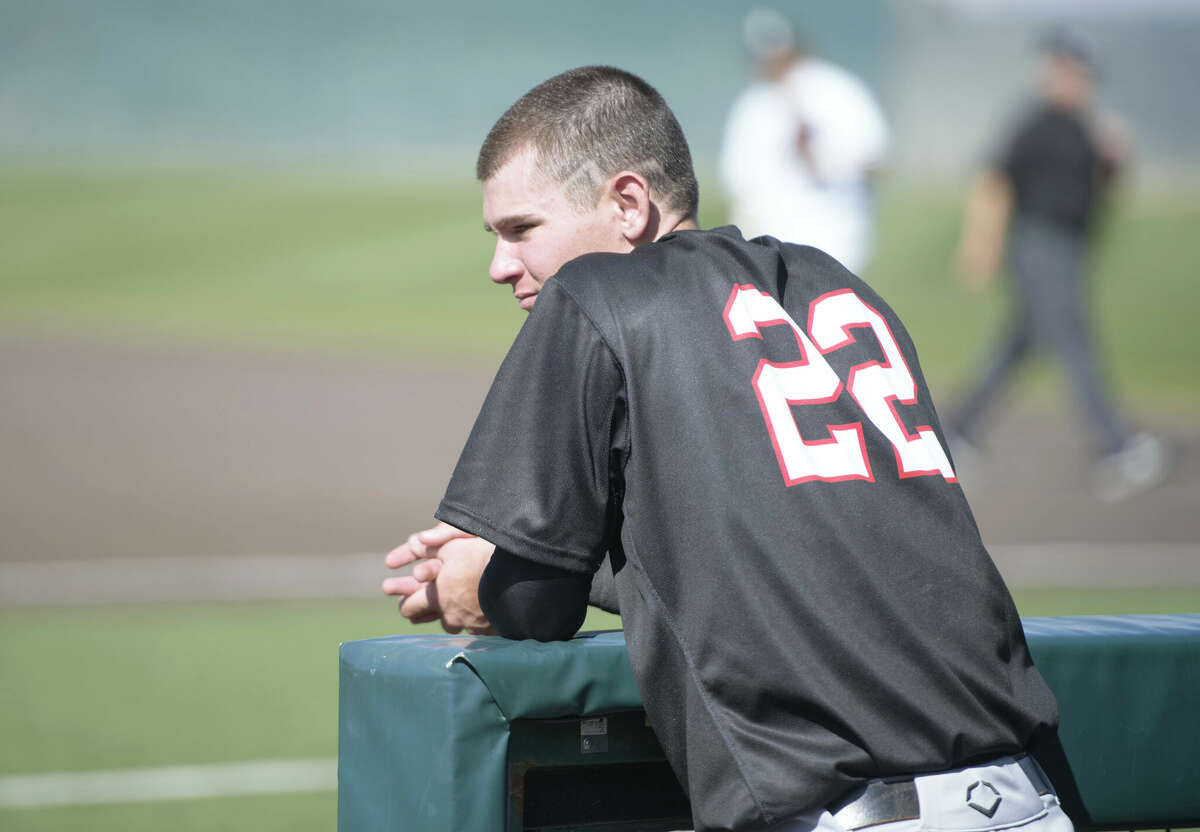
point(989, 206)
point(985, 224)
point(523, 599)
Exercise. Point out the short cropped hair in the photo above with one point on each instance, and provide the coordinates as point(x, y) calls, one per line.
point(587, 124)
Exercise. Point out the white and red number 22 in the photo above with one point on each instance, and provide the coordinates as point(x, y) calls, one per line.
point(874, 385)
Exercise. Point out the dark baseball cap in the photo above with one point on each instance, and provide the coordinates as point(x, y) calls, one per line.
point(1064, 42)
point(767, 34)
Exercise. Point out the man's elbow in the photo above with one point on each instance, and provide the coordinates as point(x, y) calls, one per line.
point(516, 619)
point(521, 605)
point(530, 624)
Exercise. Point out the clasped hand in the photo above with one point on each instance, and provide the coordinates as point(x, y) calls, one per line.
point(444, 584)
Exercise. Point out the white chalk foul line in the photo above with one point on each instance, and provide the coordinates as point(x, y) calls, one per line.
point(140, 785)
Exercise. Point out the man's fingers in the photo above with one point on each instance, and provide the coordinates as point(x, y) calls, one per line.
point(423, 618)
point(422, 605)
point(440, 535)
point(408, 551)
point(423, 544)
point(403, 585)
point(420, 601)
point(427, 570)
point(400, 556)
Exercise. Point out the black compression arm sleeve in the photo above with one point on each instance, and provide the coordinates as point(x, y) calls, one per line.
point(523, 599)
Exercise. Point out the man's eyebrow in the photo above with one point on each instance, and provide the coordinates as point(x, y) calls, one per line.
point(509, 222)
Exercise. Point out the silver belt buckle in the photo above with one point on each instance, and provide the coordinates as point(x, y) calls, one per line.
point(880, 801)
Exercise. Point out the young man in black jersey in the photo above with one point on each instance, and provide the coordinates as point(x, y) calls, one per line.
point(732, 442)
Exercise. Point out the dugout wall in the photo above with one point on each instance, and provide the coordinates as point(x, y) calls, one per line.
point(462, 734)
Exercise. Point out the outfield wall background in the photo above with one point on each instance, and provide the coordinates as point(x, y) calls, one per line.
point(415, 83)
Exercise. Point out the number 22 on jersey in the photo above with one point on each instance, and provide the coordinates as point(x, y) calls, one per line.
point(841, 454)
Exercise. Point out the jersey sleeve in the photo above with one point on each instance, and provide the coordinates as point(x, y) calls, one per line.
point(534, 477)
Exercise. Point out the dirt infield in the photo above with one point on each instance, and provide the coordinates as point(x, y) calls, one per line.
point(128, 450)
point(125, 450)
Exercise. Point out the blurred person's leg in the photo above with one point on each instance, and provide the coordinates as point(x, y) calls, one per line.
point(1049, 263)
point(964, 421)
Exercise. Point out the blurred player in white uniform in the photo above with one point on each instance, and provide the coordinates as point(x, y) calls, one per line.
point(801, 147)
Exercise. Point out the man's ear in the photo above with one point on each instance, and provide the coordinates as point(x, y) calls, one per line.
point(634, 211)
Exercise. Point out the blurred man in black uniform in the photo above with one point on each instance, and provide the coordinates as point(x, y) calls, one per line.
point(1039, 198)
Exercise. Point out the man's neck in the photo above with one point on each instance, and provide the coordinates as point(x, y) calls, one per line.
point(675, 224)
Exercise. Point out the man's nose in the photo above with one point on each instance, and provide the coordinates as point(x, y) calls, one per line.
point(505, 266)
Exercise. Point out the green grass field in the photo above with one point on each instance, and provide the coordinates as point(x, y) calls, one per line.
point(114, 687)
point(249, 258)
point(140, 686)
point(401, 266)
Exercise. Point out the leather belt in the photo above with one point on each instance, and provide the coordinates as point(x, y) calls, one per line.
point(887, 801)
point(1034, 772)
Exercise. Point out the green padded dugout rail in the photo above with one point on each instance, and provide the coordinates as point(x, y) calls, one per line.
point(483, 734)
point(424, 722)
point(1128, 690)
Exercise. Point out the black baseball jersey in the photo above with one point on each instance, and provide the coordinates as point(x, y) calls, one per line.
point(1053, 167)
point(744, 427)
